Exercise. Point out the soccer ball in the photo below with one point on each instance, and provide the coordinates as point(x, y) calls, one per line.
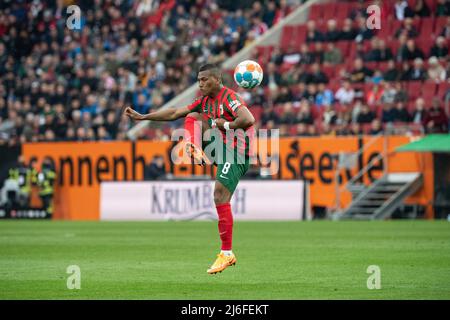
point(248, 74)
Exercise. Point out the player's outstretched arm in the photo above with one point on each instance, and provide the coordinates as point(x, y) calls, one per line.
point(168, 114)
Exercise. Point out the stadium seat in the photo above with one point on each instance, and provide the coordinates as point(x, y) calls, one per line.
point(343, 46)
point(431, 5)
point(428, 90)
point(342, 10)
point(382, 66)
point(316, 12)
point(287, 35)
point(439, 25)
point(299, 34)
point(414, 89)
point(442, 89)
point(330, 11)
point(329, 71)
point(425, 43)
point(426, 29)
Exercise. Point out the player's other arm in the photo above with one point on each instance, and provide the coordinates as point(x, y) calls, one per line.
point(168, 114)
point(244, 119)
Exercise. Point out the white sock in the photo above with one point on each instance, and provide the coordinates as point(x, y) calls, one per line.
point(227, 252)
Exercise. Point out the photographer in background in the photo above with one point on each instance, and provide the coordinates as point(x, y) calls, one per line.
point(45, 180)
point(23, 176)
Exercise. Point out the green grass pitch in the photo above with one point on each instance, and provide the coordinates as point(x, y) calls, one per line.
point(276, 260)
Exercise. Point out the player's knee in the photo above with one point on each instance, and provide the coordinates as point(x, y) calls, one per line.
point(195, 115)
point(220, 195)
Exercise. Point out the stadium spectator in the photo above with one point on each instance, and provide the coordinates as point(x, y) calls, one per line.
point(360, 72)
point(436, 121)
point(445, 32)
point(319, 52)
point(377, 77)
point(156, 169)
point(348, 32)
point(388, 94)
point(310, 93)
point(387, 113)
point(358, 11)
point(402, 10)
point(421, 9)
point(419, 114)
point(288, 115)
point(306, 56)
point(400, 113)
point(407, 29)
point(345, 94)
point(418, 71)
point(401, 94)
point(375, 127)
point(332, 34)
point(373, 96)
point(324, 96)
point(384, 53)
point(443, 8)
point(316, 75)
point(365, 116)
point(333, 55)
point(440, 49)
point(410, 51)
point(362, 32)
point(329, 116)
point(268, 115)
point(355, 129)
point(435, 72)
point(272, 78)
point(305, 115)
point(391, 74)
point(284, 95)
point(312, 34)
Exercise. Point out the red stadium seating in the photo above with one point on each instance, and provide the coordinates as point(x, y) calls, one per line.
point(316, 12)
point(427, 27)
point(428, 90)
point(442, 89)
point(342, 10)
point(439, 24)
point(414, 89)
point(329, 12)
point(287, 36)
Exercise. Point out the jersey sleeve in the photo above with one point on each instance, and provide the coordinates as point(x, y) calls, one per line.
point(196, 106)
point(234, 102)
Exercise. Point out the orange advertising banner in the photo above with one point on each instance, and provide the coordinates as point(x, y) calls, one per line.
point(81, 167)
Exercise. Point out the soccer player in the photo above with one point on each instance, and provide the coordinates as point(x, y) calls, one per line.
point(220, 108)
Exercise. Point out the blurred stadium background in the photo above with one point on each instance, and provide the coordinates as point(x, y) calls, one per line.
point(363, 115)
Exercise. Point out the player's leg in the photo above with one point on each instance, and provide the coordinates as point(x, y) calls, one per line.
point(227, 178)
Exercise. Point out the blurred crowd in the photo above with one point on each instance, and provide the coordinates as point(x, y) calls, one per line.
point(59, 83)
point(63, 82)
point(344, 79)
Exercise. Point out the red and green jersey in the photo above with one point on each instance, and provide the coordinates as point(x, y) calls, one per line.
point(226, 105)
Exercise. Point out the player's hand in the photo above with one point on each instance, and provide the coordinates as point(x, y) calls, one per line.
point(133, 114)
point(219, 123)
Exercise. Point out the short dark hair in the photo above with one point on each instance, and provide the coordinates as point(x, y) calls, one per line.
point(212, 68)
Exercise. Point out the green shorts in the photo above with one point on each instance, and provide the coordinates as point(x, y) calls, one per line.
point(231, 166)
point(229, 174)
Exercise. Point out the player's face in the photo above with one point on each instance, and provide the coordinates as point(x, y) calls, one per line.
point(207, 82)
